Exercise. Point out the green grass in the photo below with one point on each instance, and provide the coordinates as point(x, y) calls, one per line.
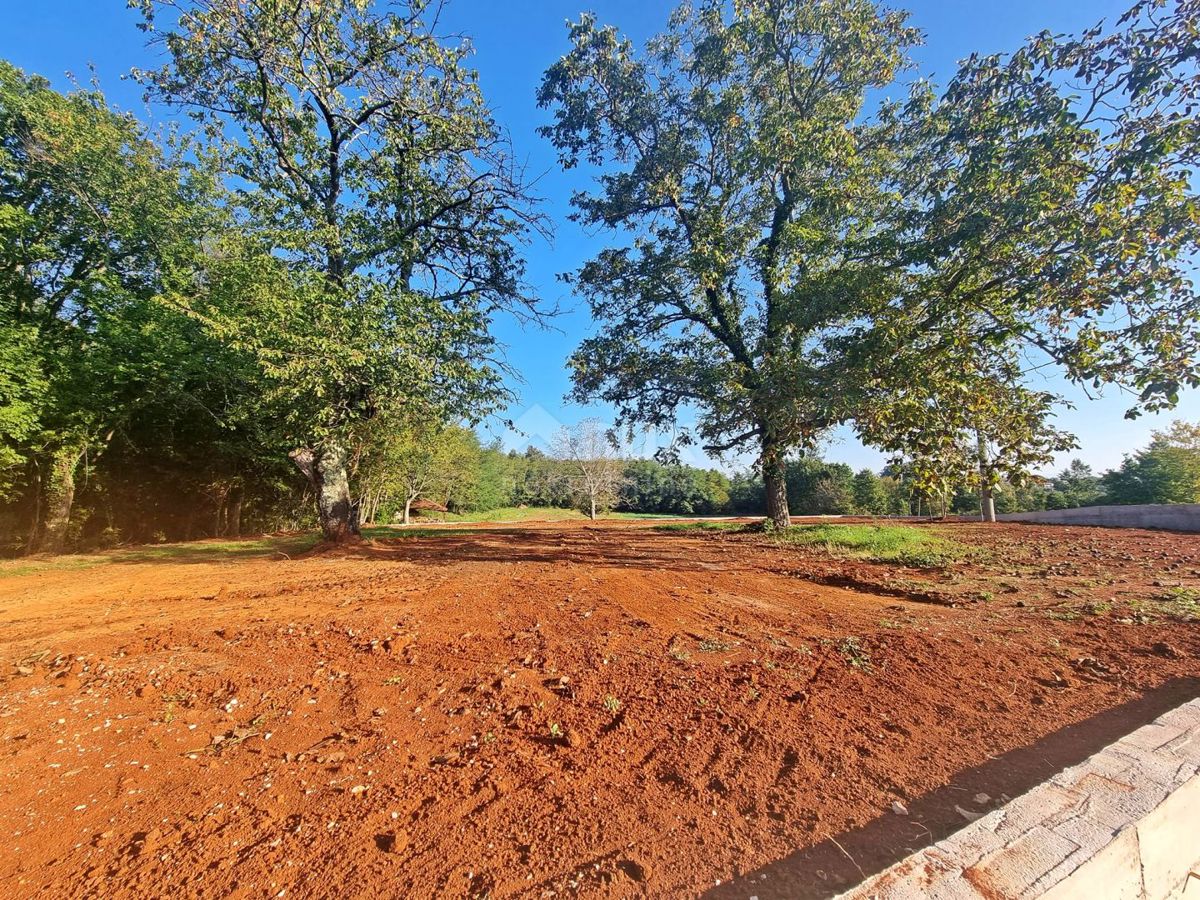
point(1181, 602)
point(517, 514)
point(902, 544)
point(215, 551)
point(17, 568)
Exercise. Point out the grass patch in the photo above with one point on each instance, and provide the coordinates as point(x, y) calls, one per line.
point(517, 514)
point(902, 544)
point(16, 569)
point(1181, 602)
point(215, 551)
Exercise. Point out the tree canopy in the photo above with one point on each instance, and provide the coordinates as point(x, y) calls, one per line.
point(382, 207)
point(798, 259)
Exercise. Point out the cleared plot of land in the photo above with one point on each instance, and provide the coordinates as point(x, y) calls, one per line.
point(610, 710)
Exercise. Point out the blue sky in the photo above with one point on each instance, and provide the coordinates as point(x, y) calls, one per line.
point(514, 42)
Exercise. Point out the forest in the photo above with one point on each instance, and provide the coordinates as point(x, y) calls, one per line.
point(279, 313)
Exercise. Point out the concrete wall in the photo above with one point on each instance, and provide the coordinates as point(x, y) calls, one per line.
point(1124, 824)
point(1172, 516)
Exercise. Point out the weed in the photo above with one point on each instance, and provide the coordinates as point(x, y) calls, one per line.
point(1062, 615)
point(856, 656)
point(1181, 602)
point(394, 679)
point(681, 655)
point(556, 731)
point(712, 645)
point(612, 704)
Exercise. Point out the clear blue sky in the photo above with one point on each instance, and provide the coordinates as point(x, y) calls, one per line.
point(515, 41)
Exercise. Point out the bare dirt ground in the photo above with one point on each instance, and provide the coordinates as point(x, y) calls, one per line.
point(596, 710)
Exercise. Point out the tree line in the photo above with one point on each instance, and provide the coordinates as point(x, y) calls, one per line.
point(263, 315)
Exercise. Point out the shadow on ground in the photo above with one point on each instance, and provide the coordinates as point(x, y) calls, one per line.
point(841, 862)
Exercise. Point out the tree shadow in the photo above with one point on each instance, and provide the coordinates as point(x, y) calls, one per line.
point(842, 861)
point(603, 547)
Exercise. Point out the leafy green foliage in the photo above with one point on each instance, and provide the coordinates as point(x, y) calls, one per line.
point(1051, 205)
point(409, 460)
point(97, 225)
point(382, 215)
point(870, 494)
point(649, 485)
point(1158, 474)
point(797, 260)
point(740, 165)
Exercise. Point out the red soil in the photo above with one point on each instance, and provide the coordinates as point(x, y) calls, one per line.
point(609, 711)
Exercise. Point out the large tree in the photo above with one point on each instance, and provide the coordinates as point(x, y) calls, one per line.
point(368, 166)
point(739, 162)
point(797, 261)
point(1048, 219)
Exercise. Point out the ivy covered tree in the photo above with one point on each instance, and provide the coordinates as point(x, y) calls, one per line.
point(364, 161)
point(740, 162)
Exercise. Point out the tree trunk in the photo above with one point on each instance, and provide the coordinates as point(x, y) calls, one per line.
point(326, 470)
point(60, 497)
point(987, 502)
point(987, 499)
point(233, 514)
point(35, 520)
point(407, 506)
point(774, 471)
point(219, 516)
point(592, 501)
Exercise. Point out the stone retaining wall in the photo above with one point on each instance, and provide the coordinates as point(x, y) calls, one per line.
point(1171, 516)
point(1124, 824)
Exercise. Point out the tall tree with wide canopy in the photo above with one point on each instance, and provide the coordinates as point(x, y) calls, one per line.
point(797, 262)
point(366, 162)
point(1049, 220)
point(742, 169)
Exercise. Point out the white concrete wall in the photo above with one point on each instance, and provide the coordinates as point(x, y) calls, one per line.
point(1172, 516)
point(1124, 824)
